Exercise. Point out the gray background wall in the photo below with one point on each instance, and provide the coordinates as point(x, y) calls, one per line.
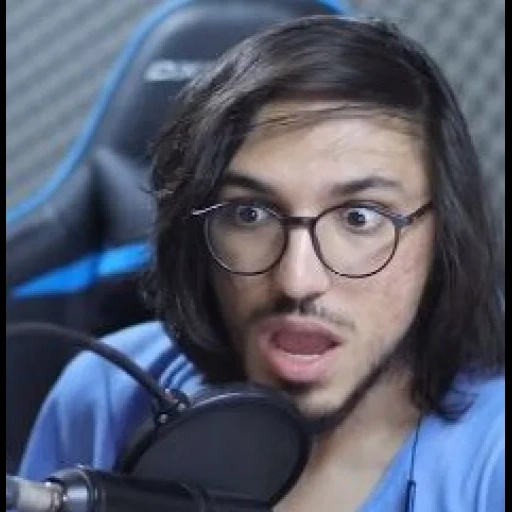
point(58, 52)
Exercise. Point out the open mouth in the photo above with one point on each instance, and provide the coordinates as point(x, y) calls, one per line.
point(299, 355)
point(302, 344)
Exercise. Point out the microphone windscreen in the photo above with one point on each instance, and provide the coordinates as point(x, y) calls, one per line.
point(242, 439)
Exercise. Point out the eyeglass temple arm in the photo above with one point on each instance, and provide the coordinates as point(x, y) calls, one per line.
point(419, 212)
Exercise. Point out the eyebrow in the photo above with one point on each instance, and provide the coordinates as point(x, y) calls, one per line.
point(367, 183)
point(371, 182)
point(238, 179)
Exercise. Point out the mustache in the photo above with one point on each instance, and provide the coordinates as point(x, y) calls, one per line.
point(304, 308)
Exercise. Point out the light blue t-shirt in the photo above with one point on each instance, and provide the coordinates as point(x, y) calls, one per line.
point(94, 408)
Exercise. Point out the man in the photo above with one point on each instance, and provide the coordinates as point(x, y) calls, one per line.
point(322, 229)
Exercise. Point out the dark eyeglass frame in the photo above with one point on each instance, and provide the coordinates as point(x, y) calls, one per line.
point(289, 221)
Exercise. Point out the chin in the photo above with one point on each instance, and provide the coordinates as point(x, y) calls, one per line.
point(313, 407)
point(312, 401)
point(323, 413)
point(322, 407)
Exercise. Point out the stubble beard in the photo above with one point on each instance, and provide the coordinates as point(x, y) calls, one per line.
point(320, 423)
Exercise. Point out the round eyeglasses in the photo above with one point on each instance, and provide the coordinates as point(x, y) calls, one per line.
point(355, 239)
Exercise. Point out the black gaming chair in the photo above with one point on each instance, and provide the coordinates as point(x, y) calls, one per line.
point(74, 251)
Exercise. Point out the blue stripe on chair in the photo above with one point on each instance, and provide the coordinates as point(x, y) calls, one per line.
point(81, 145)
point(120, 260)
point(338, 5)
point(83, 273)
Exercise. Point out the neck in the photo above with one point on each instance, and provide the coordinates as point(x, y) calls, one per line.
point(370, 436)
point(348, 461)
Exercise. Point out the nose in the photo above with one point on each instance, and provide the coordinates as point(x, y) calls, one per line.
point(300, 274)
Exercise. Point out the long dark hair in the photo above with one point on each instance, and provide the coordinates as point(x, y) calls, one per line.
point(365, 63)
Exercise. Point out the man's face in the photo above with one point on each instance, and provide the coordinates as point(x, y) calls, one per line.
point(299, 326)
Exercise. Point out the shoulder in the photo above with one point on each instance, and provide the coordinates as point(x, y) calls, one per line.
point(91, 381)
point(463, 461)
point(485, 415)
point(146, 344)
point(94, 405)
point(481, 428)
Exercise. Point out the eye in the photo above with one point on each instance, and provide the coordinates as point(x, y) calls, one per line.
point(247, 215)
point(362, 218)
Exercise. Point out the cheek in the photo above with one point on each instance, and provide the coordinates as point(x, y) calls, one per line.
point(390, 299)
point(237, 297)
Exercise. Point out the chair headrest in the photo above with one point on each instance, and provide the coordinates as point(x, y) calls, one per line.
point(169, 48)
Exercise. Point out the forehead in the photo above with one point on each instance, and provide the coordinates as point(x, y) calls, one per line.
point(311, 156)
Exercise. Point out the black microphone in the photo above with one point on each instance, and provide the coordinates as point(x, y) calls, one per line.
point(83, 489)
point(241, 440)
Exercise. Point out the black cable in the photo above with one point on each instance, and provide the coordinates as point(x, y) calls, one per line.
point(410, 491)
point(167, 401)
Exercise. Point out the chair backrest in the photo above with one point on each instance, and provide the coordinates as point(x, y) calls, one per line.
point(75, 249)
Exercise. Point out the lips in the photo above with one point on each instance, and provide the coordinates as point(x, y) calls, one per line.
point(298, 352)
